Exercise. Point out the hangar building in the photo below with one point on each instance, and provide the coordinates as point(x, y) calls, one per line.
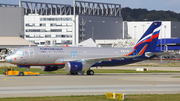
point(11, 29)
point(135, 29)
point(59, 24)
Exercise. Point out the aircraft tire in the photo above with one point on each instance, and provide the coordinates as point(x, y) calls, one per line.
point(88, 72)
point(73, 73)
point(91, 72)
point(21, 74)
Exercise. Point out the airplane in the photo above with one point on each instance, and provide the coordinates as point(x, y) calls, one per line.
point(77, 60)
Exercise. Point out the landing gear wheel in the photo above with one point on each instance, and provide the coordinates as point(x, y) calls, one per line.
point(90, 72)
point(73, 73)
point(87, 72)
point(21, 74)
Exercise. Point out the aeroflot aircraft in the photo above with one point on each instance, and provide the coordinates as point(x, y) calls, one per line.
point(78, 59)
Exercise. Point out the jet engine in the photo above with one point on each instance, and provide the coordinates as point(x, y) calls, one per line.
point(73, 66)
point(51, 68)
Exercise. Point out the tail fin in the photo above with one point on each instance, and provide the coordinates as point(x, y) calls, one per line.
point(149, 39)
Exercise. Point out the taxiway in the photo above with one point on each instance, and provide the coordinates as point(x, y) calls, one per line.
point(62, 84)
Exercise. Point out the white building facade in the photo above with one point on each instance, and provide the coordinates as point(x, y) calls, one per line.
point(49, 30)
point(136, 29)
point(60, 24)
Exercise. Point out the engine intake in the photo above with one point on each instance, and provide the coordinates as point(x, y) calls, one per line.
point(73, 66)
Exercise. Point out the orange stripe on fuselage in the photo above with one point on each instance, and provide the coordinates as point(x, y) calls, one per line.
point(129, 53)
point(141, 52)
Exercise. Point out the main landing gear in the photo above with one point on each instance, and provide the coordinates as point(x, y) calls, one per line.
point(90, 72)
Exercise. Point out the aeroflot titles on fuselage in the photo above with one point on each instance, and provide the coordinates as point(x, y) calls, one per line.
point(51, 48)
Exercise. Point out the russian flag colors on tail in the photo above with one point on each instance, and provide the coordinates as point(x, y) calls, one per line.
point(148, 41)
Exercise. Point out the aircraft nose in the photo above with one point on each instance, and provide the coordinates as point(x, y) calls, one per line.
point(8, 58)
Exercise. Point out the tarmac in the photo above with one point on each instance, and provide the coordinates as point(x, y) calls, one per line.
point(98, 84)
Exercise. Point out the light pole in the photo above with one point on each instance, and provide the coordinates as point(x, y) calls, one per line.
point(143, 28)
point(134, 31)
point(164, 38)
point(92, 32)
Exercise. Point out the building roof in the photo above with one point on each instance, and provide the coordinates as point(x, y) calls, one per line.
point(14, 41)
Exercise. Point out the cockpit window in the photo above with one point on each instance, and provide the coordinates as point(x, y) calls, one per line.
point(18, 52)
point(14, 52)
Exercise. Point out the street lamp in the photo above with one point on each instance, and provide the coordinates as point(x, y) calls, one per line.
point(92, 32)
point(143, 28)
point(134, 31)
point(164, 38)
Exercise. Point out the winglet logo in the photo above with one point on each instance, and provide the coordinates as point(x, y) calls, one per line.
point(155, 23)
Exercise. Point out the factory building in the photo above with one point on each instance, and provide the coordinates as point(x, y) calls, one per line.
point(11, 29)
point(59, 24)
point(135, 29)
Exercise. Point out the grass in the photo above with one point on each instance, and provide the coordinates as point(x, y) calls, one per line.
point(63, 71)
point(137, 97)
point(175, 77)
point(156, 64)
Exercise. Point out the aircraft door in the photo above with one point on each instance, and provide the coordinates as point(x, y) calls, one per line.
point(31, 52)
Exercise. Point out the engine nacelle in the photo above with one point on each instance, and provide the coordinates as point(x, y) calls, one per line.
point(73, 66)
point(51, 68)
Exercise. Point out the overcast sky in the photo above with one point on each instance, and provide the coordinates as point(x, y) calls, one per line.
point(172, 5)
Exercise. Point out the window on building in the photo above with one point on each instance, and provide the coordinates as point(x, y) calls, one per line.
point(56, 30)
point(30, 25)
point(27, 24)
point(36, 30)
point(66, 41)
point(59, 19)
point(37, 43)
point(42, 24)
point(57, 43)
point(68, 36)
point(63, 36)
point(69, 24)
point(58, 24)
point(48, 42)
point(63, 19)
point(55, 19)
point(44, 19)
point(53, 24)
point(42, 43)
point(42, 30)
point(27, 36)
point(32, 41)
point(58, 36)
point(31, 36)
point(47, 36)
point(68, 30)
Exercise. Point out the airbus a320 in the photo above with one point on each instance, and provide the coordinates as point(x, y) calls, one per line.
point(76, 60)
